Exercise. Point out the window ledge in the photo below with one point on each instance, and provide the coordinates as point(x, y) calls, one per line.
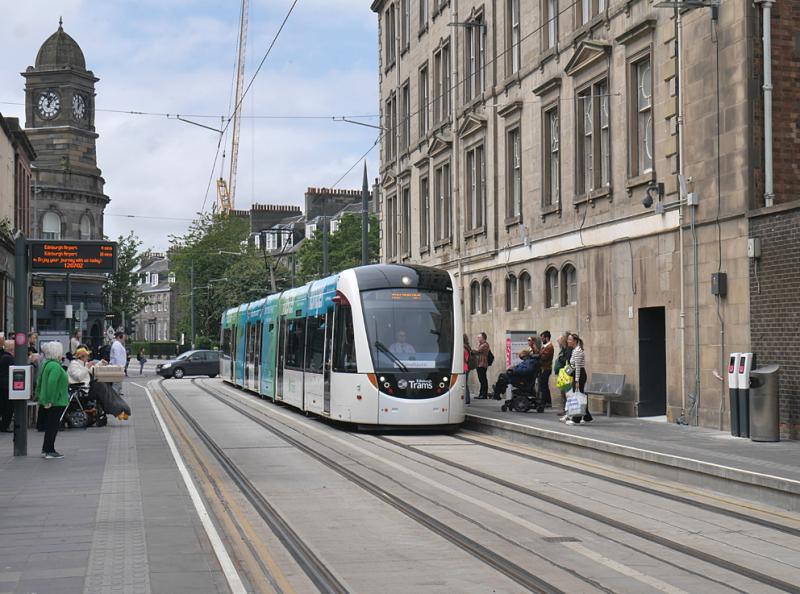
point(604, 192)
point(424, 250)
point(422, 31)
point(512, 79)
point(389, 67)
point(510, 221)
point(547, 55)
point(640, 180)
point(404, 49)
point(475, 232)
point(440, 243)
point(550, 209)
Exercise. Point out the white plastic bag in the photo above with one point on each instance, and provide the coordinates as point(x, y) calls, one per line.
point(576, 403)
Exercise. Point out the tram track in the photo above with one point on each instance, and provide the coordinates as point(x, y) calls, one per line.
point(511, 570)
point(709, 507)
point(608, 521)
point(320, 574)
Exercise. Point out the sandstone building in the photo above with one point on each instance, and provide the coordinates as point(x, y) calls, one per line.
point(68, 200)
point(520, 140)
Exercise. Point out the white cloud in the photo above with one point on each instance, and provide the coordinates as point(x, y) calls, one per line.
point(178, 57)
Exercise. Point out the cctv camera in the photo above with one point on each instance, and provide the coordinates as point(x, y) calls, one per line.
point(647, 201)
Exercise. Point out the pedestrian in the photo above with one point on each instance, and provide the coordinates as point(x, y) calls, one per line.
point(142, 360)
point(6, 406)
point(79, 368)
point(564, 353)
point(52, 394)
point(482, 365)
point(469, 360)
point(118, 357)
point(534, 343)
point(127, 360)
point(74, 343)
point(523, 373)
point(545, 368)
point(577, 362)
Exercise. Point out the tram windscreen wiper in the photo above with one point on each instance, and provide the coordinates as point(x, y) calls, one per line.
point(382, 348)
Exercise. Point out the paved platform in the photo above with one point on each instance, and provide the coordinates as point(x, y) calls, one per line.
point(766, 472)
point(112, 516)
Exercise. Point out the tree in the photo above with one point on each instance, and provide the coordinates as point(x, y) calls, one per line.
point(344, 248)
point(228, 271)
point(120, 290)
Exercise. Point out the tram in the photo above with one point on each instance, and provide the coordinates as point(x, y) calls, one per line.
point(377, 345)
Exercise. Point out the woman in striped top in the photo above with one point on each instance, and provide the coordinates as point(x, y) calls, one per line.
point(578, 363)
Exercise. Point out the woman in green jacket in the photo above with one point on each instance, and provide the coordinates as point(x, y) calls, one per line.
point(51, 390)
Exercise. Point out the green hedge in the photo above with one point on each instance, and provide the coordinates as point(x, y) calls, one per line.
point(157, 349)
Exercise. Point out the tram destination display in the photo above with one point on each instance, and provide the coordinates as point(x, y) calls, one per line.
point(98, 257)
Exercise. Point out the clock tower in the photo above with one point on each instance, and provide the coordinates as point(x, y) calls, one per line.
point(68, 200)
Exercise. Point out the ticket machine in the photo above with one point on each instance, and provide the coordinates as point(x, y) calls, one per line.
point(733, 392)
point(743, 385)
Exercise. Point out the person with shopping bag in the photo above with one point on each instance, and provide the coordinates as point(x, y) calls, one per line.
point(563, 379)
point(577, 401)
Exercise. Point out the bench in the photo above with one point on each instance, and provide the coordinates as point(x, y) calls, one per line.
point(606, 385)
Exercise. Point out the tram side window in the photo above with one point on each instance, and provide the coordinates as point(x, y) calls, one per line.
point(344, 349)
point(225, 347)
point(315, 344)
point(295, 343)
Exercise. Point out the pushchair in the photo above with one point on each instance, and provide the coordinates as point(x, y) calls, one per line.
point(84, 409)
point(524, 396)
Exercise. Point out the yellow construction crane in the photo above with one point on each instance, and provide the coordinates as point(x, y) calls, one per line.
point(226, 190)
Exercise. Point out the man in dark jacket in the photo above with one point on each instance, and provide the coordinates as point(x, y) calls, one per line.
point(6, 407)
point(546, 368)
point(523, 372)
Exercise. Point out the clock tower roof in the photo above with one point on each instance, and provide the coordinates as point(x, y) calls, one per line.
point(60, 50)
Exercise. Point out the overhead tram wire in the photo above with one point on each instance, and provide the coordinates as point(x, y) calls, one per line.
point(263, 60)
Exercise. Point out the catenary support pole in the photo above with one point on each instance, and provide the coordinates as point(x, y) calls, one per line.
point(191, 306)
point(365, 218)
point(21, 322)
point(324, 239)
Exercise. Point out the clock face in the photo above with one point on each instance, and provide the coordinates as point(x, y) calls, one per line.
point(79, 107)
point(48, 104)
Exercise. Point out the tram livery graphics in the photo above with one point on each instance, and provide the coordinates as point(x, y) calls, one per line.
point(374, 345)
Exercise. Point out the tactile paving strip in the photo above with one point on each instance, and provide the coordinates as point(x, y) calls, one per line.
point(118, 559)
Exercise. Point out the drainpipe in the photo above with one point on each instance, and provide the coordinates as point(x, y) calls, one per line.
point(766, 9)
point(682, 327)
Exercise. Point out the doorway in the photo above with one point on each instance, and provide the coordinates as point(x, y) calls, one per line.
point(652, 362)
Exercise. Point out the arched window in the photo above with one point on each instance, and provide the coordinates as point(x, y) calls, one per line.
point(525, 297)
point(569, 285)
point(552, 295)
point(511, 292)
point(486, 296)
point(86, 227)
point(475, 298)
point(51, 225)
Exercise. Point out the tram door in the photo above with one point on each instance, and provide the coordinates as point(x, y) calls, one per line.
point(258, 326)
point(280, 358)
point(326, 368)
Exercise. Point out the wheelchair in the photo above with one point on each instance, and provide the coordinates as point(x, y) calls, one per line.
point(524, 397)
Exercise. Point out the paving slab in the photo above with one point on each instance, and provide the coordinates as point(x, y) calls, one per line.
point(765, 472)
point(112, 516)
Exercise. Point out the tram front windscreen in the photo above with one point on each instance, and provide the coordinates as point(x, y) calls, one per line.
point(409, 329)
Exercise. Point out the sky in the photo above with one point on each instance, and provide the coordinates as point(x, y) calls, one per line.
point(178, 57)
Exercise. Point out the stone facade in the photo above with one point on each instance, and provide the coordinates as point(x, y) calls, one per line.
point(16, 155)
point(518, 154)
point(157, 321)
point(68, 187)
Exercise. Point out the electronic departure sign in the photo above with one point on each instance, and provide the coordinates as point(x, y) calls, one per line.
point(97, 257)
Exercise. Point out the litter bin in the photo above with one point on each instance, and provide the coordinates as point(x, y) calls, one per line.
point(764, 423)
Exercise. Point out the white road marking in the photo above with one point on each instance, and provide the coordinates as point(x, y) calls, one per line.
point(228, 568)
point(577, 547)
